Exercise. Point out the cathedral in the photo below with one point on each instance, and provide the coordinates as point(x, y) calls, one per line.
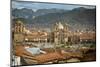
point(60, 34)
point(19, 30)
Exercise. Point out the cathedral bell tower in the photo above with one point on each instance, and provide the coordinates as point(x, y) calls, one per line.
point(19, 31)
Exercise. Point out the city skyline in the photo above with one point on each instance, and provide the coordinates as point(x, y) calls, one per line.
point(52, 33)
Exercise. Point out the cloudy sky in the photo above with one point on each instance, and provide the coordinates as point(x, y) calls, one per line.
point(38, 5)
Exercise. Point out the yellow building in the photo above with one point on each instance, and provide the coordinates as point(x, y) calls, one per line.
point(19, 31)
point(19, 27)
point(63, 35)
point(60, 33)
point(36, 37)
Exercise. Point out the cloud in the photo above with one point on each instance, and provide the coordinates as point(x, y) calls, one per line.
point(36, 5)
point(89, 7)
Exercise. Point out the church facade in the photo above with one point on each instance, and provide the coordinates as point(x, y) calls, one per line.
point(60, 34)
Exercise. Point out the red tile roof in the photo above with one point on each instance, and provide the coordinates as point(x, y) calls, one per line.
point(49, 57)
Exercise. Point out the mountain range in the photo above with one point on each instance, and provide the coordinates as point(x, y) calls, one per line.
point(78, 17)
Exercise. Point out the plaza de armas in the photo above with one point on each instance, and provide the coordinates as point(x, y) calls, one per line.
point(59, 45)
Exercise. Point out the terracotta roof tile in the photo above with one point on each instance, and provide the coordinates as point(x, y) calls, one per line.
point(49, 57)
